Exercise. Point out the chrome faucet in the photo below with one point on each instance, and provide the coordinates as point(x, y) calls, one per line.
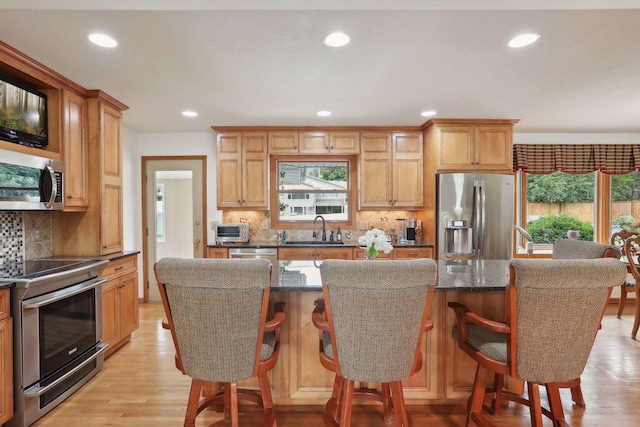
point(324, 230)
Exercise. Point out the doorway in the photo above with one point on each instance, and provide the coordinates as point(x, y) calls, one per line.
point(174, 212)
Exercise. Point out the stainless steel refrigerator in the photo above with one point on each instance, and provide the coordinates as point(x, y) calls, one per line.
point(475, 216)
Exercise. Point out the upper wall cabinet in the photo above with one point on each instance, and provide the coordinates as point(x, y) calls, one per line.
point(468, 145)
point(243, 170)
point(76, 152)
point(391, 170)
point(314, 142)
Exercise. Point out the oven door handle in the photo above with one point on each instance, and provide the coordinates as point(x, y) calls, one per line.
point(64, 295)
point(36, 390)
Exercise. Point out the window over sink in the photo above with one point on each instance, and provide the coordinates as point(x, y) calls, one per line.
point(302, 189)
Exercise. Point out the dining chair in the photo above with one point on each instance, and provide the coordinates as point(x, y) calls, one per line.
point(618, 239)
point(632, 250)
point(582, 249)
point(372, 320)
point(216, 310)
point(553, 312)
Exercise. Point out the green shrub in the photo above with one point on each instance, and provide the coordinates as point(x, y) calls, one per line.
point(625, 221)
point(550, 228)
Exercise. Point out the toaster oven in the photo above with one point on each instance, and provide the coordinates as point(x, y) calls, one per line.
point(231, 233)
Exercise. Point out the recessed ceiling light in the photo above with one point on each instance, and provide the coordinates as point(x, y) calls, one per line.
point(336, 39)
point(190, 114)
point(428, 113)
point(324, 113)
point(102, 40)
point(524, 40)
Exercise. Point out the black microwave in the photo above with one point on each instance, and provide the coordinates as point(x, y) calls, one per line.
point(231, 233)
point(30, 182)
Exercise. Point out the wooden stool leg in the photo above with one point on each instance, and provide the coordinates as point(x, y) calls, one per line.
point(555, 404)
point(535, 407)
point(636, 322)
point(477, 395)
point(623, 299)
point(192, 404)
point(234, 404)
point(347, 403)
point(387, 407)
point(498, 385)
point(576, 393)
point(400, 411)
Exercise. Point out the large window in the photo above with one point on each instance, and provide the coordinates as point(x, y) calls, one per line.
point(625, 202)
point(557, 205)
point(306, 188)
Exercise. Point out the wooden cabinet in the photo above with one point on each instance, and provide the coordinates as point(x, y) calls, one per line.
point(329, 143)
point(412, 252)
point(76, 152)
point(391, 170)
point(6, 357)
point(473, 146)
point(217, 252)
point(314, 142)
point(311, 253)
point(119, 302)
point(243, 170)
point(98, 231)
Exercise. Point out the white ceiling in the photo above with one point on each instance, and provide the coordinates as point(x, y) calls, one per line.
point(264, 63)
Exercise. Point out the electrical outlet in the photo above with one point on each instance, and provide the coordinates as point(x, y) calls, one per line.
point(265, 224)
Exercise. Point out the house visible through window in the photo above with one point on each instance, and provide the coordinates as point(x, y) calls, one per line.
point(305, 189)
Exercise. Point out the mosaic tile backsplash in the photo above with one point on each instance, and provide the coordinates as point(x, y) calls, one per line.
point(24, 236)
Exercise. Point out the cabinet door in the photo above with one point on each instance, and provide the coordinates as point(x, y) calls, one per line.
point(76, 152)
point(283, 142)
point(112, 222)
point(128, 295)
point(110, 316)
point(217, 253)
point(296, 253)
point(344, 142)
point(314, 142)
point(229, 173)
point(407, 171)
point(455, 148)
point(255, 171)
point(6, 365)
point(376, 172)
point(494, 148)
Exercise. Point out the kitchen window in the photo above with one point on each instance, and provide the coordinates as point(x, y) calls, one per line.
point(304, 188)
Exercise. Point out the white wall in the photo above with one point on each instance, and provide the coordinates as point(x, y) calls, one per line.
point(135, 146)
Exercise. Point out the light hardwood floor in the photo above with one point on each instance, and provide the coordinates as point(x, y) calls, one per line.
point(140, 386)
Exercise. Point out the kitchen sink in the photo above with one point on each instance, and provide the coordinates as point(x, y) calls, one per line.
point(311, 242)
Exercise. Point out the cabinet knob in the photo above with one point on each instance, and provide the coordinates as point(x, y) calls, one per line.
point(69, 197)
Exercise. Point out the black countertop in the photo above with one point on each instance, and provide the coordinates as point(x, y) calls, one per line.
point(457, 276)
point(272, 244)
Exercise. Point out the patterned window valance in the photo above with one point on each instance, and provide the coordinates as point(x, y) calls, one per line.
point(614, 159)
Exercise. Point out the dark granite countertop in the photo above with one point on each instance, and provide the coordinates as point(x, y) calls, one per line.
point(272, 244)
point(457, 276)
point(118, 255)
point(473, 275)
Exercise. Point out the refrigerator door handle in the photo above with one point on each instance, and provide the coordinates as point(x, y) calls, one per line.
point(478, 217)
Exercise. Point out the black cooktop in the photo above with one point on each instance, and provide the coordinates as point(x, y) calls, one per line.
point(39, 267)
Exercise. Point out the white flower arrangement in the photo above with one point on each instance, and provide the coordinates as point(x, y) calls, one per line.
point(376, 241)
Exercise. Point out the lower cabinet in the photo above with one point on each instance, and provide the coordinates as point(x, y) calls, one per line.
point(119, 302)
point(6, 358)
point(217, 252)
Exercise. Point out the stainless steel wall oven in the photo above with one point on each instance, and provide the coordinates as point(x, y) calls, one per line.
point(57, 333)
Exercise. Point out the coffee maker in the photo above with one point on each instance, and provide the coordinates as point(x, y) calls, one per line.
point(411, 230)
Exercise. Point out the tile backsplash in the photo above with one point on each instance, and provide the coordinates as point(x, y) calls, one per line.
point(384, 220)
point(24, 235)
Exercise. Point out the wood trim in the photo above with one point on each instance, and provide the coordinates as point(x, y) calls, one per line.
point(308, 225)
point(432, 122)
point(143, 169)
point(317, 128)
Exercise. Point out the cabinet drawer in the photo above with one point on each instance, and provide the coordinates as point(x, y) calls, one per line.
point(120, 266)
point(412, 253)
point(4, 303)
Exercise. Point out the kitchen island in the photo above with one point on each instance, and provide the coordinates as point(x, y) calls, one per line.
point(447, 374)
